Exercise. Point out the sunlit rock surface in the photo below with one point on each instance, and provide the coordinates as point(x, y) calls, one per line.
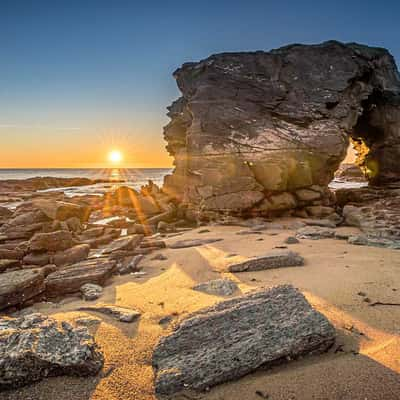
point(253, 130)
point(237, 336)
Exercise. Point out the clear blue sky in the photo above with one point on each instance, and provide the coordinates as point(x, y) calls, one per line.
point(80, 77)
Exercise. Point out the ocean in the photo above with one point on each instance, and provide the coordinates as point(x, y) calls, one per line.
point(133, 177)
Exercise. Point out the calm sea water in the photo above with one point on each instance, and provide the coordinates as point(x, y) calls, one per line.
point(133, 177)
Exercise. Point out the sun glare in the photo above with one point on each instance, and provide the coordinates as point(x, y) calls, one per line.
point(115, 156)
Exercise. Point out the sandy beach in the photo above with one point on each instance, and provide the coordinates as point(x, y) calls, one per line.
point(338, 279)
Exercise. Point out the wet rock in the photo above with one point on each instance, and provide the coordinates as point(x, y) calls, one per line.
point(121, 314)
point(69, 279)
point(237, 336)
point(35, 347)
point(181, 244)
point(17, 287)
point(53, 241)
point(91, 291)
point(274, 259)
point(315, 233)
point(72, 255)
point(217, 287)
point(124, 243)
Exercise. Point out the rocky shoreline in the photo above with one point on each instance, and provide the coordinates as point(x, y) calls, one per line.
point(256, 139)
point(52, 247)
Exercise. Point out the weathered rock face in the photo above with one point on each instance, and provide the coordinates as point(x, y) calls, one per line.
point(236, 337)
point(35, 346)
point(253, 130)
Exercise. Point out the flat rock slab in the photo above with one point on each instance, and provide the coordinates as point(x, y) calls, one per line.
point(181, 244)
point(235, 337)
point(218, 287)
point(35, 346)
point(121, 314)
point(315, 233)
point(274, 259)
point(16, 287)
point(124, 243)
point(70, 279)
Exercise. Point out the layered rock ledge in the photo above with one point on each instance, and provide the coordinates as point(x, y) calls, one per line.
point(264, 132)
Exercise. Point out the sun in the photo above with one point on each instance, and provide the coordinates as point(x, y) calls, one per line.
point(115, 156)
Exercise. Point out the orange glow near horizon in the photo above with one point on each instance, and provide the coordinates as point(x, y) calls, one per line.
point(20, 150)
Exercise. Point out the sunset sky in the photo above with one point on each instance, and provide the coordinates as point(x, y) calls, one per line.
point(81, 78)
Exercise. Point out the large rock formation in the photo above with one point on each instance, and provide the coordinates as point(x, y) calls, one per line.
point(236, 337)
point(252, 129)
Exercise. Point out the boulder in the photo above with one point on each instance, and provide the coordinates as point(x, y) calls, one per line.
point(17, 287)
point(72, 255)
point(35, 346)
point(62, 211)
point(217, 287)
point(52, 241)
point(144, 205)
point(274, 259)
point(320, 211)
point(70, 279)
point(91, 291)
point(237, 336)
point(291, 240)
point(254, 125)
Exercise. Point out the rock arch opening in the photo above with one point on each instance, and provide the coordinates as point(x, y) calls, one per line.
point(368, 136)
